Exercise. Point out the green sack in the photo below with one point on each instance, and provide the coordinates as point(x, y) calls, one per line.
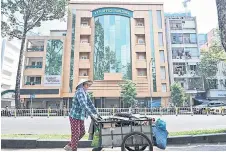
point(95, 142)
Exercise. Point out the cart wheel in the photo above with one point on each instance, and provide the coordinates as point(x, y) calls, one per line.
point(97, 149)
point(129, 147)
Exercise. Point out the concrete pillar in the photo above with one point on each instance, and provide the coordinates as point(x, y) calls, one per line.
point(61, 103)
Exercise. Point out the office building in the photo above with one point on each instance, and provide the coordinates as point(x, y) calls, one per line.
point(9, 63)
point(105, 42)
point(183, 53)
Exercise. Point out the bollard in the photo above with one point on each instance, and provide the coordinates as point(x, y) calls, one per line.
point(160, 110)
point(191, 111)
point(31, 112)
point(49, 110)
point(222, 111)
point(176, 111)
point(65, 110)
point(145, 111)
point(207, 112)
point(113, 111)
point(15, 113)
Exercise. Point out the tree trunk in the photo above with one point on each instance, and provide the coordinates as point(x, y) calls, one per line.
point(18, 76)
point(221, 9)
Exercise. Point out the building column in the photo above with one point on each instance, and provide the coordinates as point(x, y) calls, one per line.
point(61, 103)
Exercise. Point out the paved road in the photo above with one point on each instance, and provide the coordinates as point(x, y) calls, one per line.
point(60, 125)
point(202, 147)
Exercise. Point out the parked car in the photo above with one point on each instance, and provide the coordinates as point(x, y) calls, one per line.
point(203, 108)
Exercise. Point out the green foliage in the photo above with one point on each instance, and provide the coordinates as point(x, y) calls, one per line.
point(23, 15)
point(20, 17)
point(208, 66)
point(128, 92)
point(177, 94)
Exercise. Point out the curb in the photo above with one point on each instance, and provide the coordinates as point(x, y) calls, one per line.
point(38, 143)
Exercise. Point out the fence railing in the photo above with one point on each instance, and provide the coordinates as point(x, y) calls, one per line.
point(111, 111)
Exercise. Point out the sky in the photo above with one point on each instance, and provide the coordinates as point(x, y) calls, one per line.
point(204, 10)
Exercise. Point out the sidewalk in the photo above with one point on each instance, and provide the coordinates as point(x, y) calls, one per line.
point(193, 147)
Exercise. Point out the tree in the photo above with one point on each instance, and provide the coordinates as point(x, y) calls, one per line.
point(221, 9)
point(128, 92)
point(177, 94)
point(22, 16)
point(208, 67)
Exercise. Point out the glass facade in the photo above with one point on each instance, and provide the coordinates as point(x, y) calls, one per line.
point(54, 52)
point(152, 52)
point(112, 53)
point(72, 50)
point(159, 19)
point(160, 37)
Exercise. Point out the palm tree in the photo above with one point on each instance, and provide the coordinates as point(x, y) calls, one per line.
point(221, 9)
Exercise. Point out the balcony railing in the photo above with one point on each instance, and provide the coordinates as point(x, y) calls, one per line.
point(34, 66)
point(35, 49)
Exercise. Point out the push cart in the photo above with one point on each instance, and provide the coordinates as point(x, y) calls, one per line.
point(130, 134)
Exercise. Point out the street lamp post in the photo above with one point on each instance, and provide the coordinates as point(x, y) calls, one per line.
point(150, 65)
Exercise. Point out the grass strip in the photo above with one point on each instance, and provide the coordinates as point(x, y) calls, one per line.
point(59, 136)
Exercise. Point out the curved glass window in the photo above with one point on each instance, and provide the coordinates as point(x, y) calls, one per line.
point(112, 53)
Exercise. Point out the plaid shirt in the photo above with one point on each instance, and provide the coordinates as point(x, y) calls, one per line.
point(80, 106)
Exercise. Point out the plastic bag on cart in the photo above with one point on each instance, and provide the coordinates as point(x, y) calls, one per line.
point(95, 142)
point(160, 134)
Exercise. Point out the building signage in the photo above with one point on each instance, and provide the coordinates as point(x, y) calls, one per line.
point(52, 80)
point(217, 93)
point(112, 11)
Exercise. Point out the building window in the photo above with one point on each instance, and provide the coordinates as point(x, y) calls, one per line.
point(141, 56)
point(175, 25)
point(113, 39)
point(139, 22)
point(179, 68)
point(85, 21)
point(83, 72)
point(159, 19)
point(177, 38)
point(84, 39)
point(33, 63)
point(84, 57)
point(164, 87)
point(38, 80)
point(163, 73)
point(193, 38)
point(142, 72)
point(193, 67)
point(177, 53)
point(162, 56)
point(160, 37)
point(140, 40)
point(39, 63)
point(213, 83)
point(33, 80)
